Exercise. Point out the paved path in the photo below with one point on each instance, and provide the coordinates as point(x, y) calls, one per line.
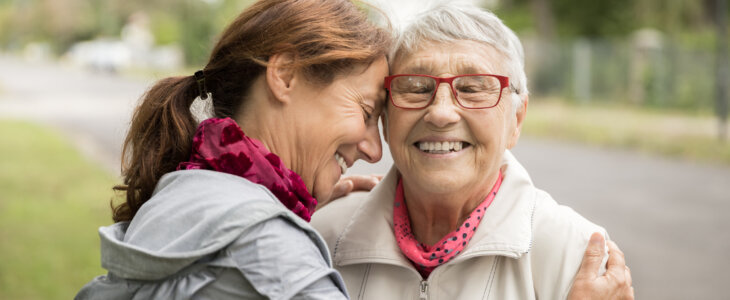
point(668, 216)
point(92, 109)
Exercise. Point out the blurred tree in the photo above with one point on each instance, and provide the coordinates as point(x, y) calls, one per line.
point(543, 12)
point(191, 23)
point(594, 18)
point(568, 18)
point(722, 64)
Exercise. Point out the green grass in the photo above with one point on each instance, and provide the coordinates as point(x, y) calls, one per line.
point(52, 201)
point(673, 134)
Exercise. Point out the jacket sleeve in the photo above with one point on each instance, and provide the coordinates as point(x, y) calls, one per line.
point(560, 238)
point(281, 261)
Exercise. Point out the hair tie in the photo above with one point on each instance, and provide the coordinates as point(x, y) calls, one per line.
point(202, 106)
point(202, 88)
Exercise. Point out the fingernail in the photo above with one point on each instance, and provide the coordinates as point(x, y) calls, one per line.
point(595, 239)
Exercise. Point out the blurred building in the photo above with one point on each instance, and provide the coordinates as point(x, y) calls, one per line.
point(134, 49)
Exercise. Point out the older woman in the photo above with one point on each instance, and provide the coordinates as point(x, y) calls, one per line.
point(458, 216)
point(221, 211)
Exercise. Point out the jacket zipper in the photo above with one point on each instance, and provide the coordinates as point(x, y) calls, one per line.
point(424, 290)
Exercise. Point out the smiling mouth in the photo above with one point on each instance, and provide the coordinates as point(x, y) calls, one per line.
point(441, 147)
point(341, 161)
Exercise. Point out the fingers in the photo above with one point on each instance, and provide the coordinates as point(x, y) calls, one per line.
point(342, 188)
point(349, 184)
point(629, 290)
point(616, 264)
point(616, 269)
point(630, 294)
point(592, 258)
point(363, 182)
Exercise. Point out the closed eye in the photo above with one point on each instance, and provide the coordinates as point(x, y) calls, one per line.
point(367, 111)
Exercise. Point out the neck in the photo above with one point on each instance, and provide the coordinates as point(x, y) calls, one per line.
point(433, 216)
point(263, 118)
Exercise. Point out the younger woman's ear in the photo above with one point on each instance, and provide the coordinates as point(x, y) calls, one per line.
point(280, 76)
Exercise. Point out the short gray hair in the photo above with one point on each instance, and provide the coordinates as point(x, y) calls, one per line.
point(447, 22)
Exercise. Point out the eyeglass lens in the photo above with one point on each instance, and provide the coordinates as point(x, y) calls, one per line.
point(471, 91)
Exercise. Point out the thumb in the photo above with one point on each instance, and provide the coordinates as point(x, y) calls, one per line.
point(592, 258)
point(342, 188)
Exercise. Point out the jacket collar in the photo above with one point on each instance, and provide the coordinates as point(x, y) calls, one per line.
point(506, 228)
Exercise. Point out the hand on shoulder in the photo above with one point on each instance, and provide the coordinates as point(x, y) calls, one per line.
point(349, 184)
point(614, 284)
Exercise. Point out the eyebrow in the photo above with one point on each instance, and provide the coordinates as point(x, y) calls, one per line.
point(470, 70)
point(420, 69)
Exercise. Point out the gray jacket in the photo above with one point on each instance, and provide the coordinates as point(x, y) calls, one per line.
point(211, 235)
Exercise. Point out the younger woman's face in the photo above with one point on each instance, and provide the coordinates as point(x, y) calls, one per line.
point(341, 126)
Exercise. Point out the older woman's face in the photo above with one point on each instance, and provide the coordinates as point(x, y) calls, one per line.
point(484, 134)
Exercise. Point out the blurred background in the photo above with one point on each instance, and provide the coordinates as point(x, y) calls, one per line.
point(627, 124)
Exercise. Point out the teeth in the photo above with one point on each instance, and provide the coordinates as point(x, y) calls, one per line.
point(341, 161)
point(440, 147)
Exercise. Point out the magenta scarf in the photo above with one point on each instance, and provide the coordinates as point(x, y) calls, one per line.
point(220, 145)
point(424, 257)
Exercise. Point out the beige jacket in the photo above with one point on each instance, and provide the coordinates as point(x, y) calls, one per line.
point(526, 246)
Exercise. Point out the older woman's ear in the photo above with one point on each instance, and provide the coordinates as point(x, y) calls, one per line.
point(280, 77)
point(520, 114)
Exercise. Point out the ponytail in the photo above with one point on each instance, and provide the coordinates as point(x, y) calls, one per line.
point(160, 137)
point(327, 38)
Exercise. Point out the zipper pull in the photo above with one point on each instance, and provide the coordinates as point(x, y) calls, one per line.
point(424, 290)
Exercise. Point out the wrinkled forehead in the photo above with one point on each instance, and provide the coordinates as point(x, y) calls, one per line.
point(455, 58)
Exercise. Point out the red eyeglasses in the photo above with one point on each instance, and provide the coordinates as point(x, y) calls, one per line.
point(472, 91)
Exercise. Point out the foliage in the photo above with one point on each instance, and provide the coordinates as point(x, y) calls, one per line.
point(672, 134)
point(51, 203)
point(192, 23)
point(594, 19)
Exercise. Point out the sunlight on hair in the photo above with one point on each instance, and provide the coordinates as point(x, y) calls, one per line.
point(401, 13)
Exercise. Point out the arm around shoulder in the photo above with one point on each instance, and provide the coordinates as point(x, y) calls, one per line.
point(560, 237)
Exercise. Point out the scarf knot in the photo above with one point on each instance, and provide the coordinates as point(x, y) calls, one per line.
point(220, 145)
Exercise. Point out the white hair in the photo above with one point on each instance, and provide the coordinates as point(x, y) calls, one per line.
point(449, 21)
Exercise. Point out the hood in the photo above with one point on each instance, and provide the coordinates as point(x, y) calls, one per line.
point(185, 220)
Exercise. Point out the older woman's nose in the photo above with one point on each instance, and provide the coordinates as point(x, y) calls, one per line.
point(443, 109)
point(370, 149)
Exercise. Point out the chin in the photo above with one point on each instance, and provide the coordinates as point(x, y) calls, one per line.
point(441, 184)
point(323, 192)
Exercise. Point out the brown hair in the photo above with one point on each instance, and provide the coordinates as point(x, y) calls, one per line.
point(326, 37)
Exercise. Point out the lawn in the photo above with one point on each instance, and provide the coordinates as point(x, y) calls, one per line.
point(52, 200)
point(674, 134)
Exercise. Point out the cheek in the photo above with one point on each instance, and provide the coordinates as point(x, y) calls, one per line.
point(489, 131)
point(348, 128)
point(397, 131)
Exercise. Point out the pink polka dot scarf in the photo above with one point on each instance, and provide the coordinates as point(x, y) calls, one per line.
point(220, 145)
point(424, 257)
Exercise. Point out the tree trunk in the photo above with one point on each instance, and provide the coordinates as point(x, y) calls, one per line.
point(542, 10)
point(721, 90)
